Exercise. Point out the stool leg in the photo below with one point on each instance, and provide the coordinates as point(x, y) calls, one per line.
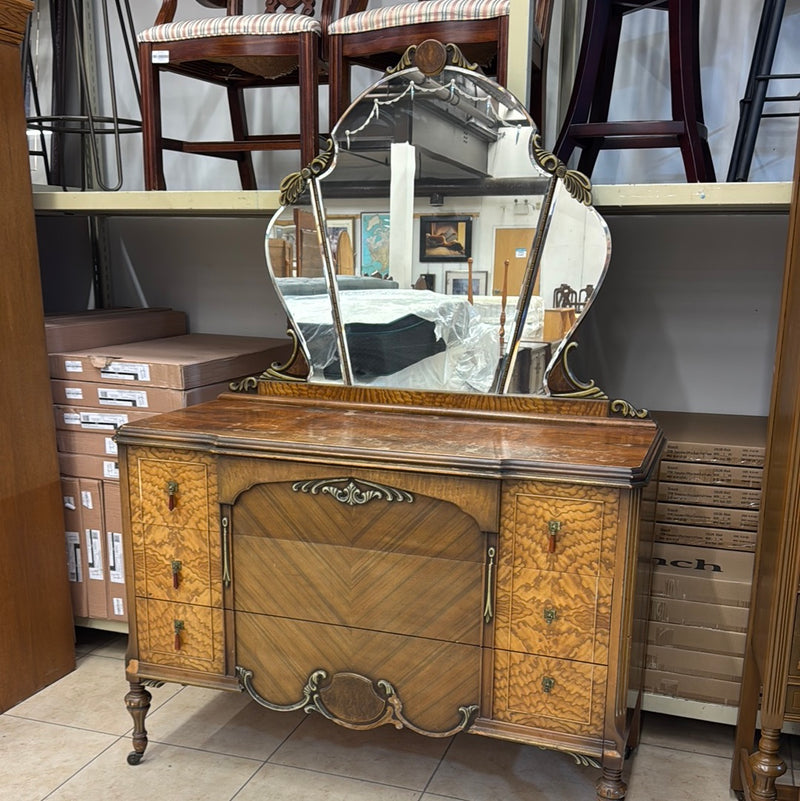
point(589, 59)
point(687, 103)
point(752, 105)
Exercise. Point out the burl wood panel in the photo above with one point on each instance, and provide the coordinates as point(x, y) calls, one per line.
point(198, 551)
point(201, 635)
point(405, 567)
point(574, 702)
point(432, 678)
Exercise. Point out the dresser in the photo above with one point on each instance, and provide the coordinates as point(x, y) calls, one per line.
point(434, 561)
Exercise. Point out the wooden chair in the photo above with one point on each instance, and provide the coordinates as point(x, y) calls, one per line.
point(236, 51)
point(377, 37)
point(586, 123)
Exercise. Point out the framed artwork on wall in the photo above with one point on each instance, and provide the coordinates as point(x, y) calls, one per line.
point(375, 243)
point(456, 282)
point(444, 238)
point(341, 236)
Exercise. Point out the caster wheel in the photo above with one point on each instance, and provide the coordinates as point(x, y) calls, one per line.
point(134, 758)
point(628, 752)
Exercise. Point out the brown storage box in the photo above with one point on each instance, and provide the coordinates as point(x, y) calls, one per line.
point(95, 395)
point(697, 638)
point(183, 362)
point(76, 558)
point(698, 473)
point(705, 537)
point(711, 516)
point(92, 329)
point(91, 443)
point(693, 688)
point(669, 659)
point(697, 613)
point(94, 544)
point(77, 418)
point(709, 495)
point(714, 438)
point(112, 507)
point(82, 465)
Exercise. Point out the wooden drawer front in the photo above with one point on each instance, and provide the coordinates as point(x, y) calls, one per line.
point(554, 694)
point(200, 632)
point(792, 708)
point(586, 520)
point(794, 658)
point(565, 615)
point(195, 554)
point(190, 499)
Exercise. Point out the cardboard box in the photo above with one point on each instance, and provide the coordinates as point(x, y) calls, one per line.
point(182, 362)
point(82, 465)
point(92, 443)
point(709, 495)
point(96, 395)
point(706, 536)
point(77, 418)
point(694, 688)
point(112, 507)
point(712, 516)
point(711, 575)
point(92, 329)
point(76, 557)
point(699, 473)
point(91, 494)
point(697, 638)
point(696, 613)
point(669, 659)
point(714, 438)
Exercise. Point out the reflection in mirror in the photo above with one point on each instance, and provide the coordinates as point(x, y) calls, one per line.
point(450, 259)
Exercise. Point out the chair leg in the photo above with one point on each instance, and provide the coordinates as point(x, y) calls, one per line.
point(502, 52)
point(308, 79)
point(152, 149)
point(244, 160)
point(339, 81)
point(687, 102)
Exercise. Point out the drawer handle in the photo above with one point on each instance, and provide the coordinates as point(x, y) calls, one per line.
point(172, 491)
point(553, 527)
point(548, 683)
point(488, 607)
point(178, 624)
point(549, 614)
point(176, 569)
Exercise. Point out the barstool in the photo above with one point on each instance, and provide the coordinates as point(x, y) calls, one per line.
point(751, 106)
point(586, 124)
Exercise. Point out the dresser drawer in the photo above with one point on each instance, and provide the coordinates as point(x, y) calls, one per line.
point(180, 635)
point(565, 615)
point(170, 492)
point(555, 694)
point(181, 565)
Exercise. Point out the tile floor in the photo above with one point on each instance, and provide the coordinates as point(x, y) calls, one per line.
point(69, 742)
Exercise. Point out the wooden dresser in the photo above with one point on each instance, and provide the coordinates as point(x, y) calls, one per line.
point(433, 561)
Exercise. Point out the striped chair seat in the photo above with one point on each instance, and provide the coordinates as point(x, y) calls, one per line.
point(236, 25)
point(415, 13)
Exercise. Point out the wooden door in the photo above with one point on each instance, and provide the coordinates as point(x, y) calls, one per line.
point(513, 244)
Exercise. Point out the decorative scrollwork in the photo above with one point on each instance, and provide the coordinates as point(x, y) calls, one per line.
point(576, 183)
point(294, 184)
point(275, 372)
point(377, 701)
point(626, 409)
point(352, 492)
point(433, 64)
point(580, 759)
point(583, 389)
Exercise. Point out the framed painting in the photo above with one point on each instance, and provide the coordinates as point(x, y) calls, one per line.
point(445, 238)
point(375, 243)
point(456, 282)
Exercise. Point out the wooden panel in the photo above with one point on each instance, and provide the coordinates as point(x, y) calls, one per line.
point(432, 678)
point(198, 551)
point(36, 626)
point(201, 635)
point(553, 614)
point(574, 703)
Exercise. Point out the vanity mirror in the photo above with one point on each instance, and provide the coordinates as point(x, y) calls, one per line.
point(470, 255)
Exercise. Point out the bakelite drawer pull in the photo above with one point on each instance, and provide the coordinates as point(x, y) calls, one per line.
point(172, 491)
point(553, 527)
point(176, 569)
point(548, 683)
point(178, 629)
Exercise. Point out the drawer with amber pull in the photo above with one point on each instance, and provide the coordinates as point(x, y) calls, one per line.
point(170, 493)
point(180, 635)
point(566, 615)
point(560, 529)
point(556, 694)
point(174, 564)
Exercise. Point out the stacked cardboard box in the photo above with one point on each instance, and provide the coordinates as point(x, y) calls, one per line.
point(704, 512)
point(99, 389)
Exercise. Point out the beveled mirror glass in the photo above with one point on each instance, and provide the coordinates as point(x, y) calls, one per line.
point(435, 245)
